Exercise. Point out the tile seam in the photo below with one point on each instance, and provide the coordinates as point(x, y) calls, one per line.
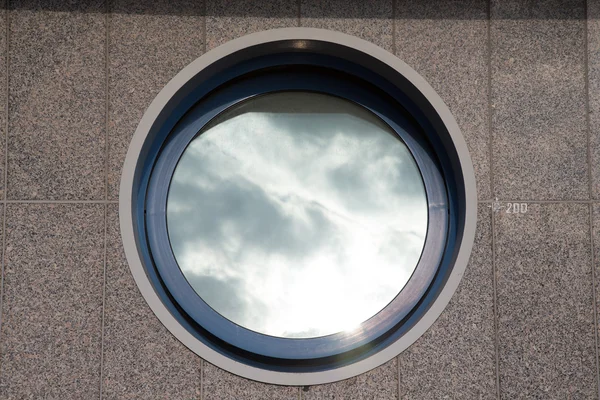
point(201, 379)
point(537, 201)
point(590, 186)
point(103, 302)
point(587, 98)
point(7, 49)
point(489, 97)
point(59, 201)
point(594, 297)
point(478, 201)
point(106, 96)
point(398, 376)
point(205, 17)
point(7, 98)
point(492, 192)
point(495, 307)
point(106, 164)
point(394, 27)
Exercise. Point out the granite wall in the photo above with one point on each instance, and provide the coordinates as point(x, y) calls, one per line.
point(522, 78)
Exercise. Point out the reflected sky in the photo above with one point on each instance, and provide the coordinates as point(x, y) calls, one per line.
point(297, 214)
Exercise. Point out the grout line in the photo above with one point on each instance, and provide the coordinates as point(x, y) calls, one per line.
point(489, 90)
point(117, 201)
point(539, 201)
point(495, 291)
point(107, 98)
point(492, 191)
point(299, 13)
point(594, 296)
point(587, 99)
point(60, 201)
point(590, 185)
point(106, 150)
point(205, 8)
point(394, 27)
point(201, 378)
point(103, 301)
point(398, 376)
point(7, 59)
point(7, 48)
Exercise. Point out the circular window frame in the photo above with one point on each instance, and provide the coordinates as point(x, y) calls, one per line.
point(163, 111)
point(264, 345)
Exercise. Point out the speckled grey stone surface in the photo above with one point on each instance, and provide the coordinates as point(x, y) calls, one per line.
point(596, 231)
point(538, 98)
point(3, 82)
point(142, 360)
point(446, 42)
point(221, 385)
point(50, 341)
point(150, 42)
point(596, 243)
point(593, 37)
point(380, 383)
point(56, 139)
point(227, 20)
point(457, 354)
point(372, 21)
point(545, 303)
point(52, 305)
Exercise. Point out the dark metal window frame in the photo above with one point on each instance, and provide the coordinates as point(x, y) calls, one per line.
point(413, 109)
point(293, 77)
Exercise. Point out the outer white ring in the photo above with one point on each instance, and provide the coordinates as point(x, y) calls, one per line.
point(127, 224)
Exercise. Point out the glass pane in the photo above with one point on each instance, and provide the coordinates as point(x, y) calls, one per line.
point(297, 214)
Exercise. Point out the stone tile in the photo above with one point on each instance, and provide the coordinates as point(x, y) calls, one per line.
point(230, 19)
point(142, 360)
point(3, 82)
point(545, 303)
point(596, 244)
point(150, 42)
point(457, 354)
point(446, 42)
point(52, 305)
point(538, 99)
point(56, 140)
point(380, 383)
point(593, 38)
point(372, 21)
point(221, 385)
point(596, 232)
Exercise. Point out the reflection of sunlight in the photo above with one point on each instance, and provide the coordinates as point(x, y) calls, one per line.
point(318, 217)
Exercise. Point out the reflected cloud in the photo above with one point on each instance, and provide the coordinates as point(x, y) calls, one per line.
point(239, 305)
point(297, 215)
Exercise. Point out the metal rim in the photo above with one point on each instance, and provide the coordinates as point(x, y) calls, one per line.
point(240, 337)
point(394, 68)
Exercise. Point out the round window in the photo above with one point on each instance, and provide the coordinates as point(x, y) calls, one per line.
point(297, 214)
point(297, 206)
